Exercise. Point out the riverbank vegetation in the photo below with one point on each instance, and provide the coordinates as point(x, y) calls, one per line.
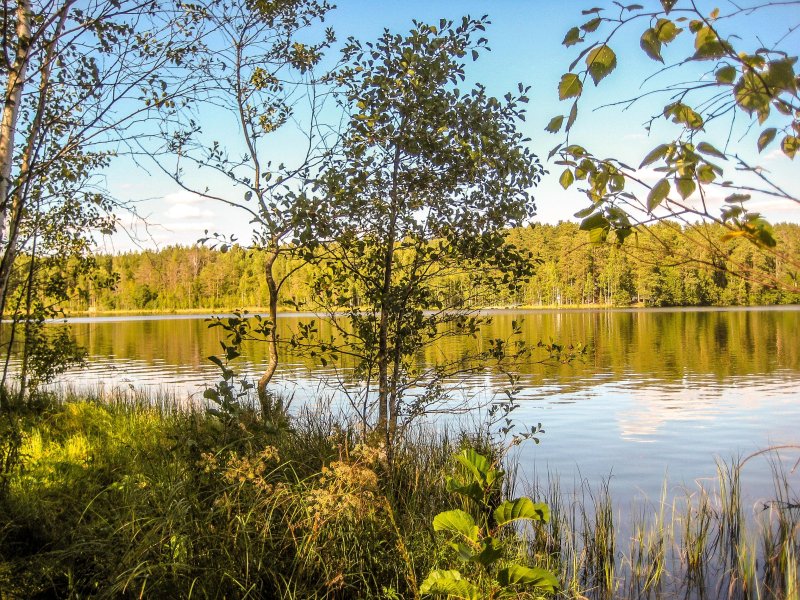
point(666, 270)
point(133, 496)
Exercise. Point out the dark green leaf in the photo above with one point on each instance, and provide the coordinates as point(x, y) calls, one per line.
point(766, 137)
point(707, 148)
point(726, 74)
point(592, 25)
point(651, 45)
point(657, 194)
point(789, 145)
point(521, 509)
point(686, 186)
point(573, 37)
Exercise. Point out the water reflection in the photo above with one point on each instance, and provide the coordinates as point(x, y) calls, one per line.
point(659, 391)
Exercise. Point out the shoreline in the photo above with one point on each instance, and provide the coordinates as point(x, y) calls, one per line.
point(126, 315)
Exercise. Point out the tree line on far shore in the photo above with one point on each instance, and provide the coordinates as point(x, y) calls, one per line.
point(667, 267)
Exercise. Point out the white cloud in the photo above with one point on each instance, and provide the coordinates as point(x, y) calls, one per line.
point(182, 197)
point(187, 211)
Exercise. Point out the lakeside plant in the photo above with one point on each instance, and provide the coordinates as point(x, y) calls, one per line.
point(482, 539)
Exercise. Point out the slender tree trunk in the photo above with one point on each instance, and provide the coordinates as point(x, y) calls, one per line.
point(11, 105)
point(272, 339)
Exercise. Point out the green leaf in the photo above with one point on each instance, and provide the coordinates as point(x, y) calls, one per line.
point(707, 148)
point(789, 145)
point(766, 137)
point(708, 46)
point(706, 174)
point(666, 30)
point(686, 186)
point(490, 553)
point(573, 37)
point(657, 194)
point(566, 179)
point(555, 124)
point(515, 574)
point(668, 4)
point(573, 114)
point(477, 463)
point(735, 198)
point(600, 62)
point(457, 522)
point(584, 212)
point(570, 86)
point(471, 490)
point(449, 583)
point(751, 94)
point(684, 114)
point(521, 508)
point(592, 25)
point(781, 76)
point(656, 153)
point(726, 74)
point(651, 44)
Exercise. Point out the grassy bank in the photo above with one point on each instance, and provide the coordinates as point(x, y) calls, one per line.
point(122, 497)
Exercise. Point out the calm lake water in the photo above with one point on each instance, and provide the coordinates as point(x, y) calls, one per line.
point(660, 394)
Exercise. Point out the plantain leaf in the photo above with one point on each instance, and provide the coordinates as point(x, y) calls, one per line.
point(515, 574)
point(457, 522)
point(521, 509)
point(449, 583)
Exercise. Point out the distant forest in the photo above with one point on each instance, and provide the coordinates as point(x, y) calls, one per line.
point(666, 266)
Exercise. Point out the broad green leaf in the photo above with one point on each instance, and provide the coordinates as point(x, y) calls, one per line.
point(477, 463)
point(515, 574)
point(471, 490)
point(570, 86)
point(651, 44)
point(566, 179)
point(555, 124)
point(726, 74)
point(449, 583)
point(789, 145)
point(521, 508)
point(465, 551)
point(458, 522)
point(597, 226)
point(657, 194)
point(681, 113)
point(573, 37)
point(766, 137)
point(584, 212)
point(707, 148)
point(490, 553)
point(656, 153)
point(600, 62)
point(666, 30)
point(686, 186)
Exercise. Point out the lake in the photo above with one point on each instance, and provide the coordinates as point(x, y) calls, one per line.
point(660, 393)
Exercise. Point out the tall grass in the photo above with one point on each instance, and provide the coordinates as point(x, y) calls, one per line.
point(702, 544)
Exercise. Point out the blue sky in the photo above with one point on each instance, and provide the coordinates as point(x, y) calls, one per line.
point(525, 38)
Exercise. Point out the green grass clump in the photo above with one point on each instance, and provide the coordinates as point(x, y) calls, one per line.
point(129, 499)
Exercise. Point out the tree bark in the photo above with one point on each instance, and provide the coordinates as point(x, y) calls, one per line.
point(272, 338)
